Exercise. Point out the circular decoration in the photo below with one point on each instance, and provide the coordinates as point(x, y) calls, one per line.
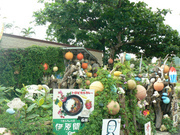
point(165, 68)
point(45, 66)
point(97, 86)
point(131, 84)
point(73, 105)
point(158, 86)
point(84, 65)
point(69, 55)
point(128, 57)
point(113, 107)
point(89, 74)
point(88, 82)
point(55, 68)
point(110, 61)
point(95, 74)
point(80, 56)
point(141, 92)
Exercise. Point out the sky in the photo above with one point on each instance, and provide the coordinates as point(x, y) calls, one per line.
point(19, 12)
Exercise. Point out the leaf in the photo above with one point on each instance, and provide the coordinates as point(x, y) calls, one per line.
point(41, 101)
point(32, 116)
point(46, 106)
point(31, 107)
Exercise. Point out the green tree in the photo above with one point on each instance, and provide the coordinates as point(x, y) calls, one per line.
point(119, 25)
point(27, 32)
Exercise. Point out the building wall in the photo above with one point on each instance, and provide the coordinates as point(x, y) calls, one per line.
point(13, 41)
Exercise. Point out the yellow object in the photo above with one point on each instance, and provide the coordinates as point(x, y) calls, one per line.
point(117, 73)
point(60, 103)
point(97, 86)
point(131, 84)
point(83, 96)
point(55, 68)
point(89, 74)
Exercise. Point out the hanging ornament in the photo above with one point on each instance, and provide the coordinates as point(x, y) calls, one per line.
point(141, 92)
point(80, 56)
point(84, 65)
point(45, 66)
point(128, 57)
point(110, 61)
point(55, 68)
point(69, 55)
point(165, 68)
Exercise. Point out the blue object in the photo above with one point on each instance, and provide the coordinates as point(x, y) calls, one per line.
point(10, 111)
point(137, 79)
point(109, 76)
point(113, 88)
point(128, 57)
point(164, 94)
point(166, 100)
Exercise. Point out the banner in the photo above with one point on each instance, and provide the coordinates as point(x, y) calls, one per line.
point(71, 109)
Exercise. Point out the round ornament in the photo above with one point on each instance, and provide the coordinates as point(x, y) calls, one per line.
point(141, 92)
point(80, 56)
point(165, 68)
point(97, 86)
point(69, 55)
point(131, 84)
point(110, 61)
point(113, 107)
point(45, 66)
point(55, 68)
point(84, 65)
point(158, 86)
point(128, 57)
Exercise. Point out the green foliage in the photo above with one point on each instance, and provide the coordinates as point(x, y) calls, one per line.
point(129, 112)
point(33, 118)
point(168, 123)
point(118, 25)
point(25, 66)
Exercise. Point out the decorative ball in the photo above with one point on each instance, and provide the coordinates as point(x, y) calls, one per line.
point(165, 68)
point(88, 82)
point(84, 65)
point(95, 74)
point(141, 92)
point(45, 66)
point(128, 57)
point(110, 61)
point(55, 68)
point(131, 84)
point(158, 86)
point(97, 86)
point(69, 55)
point(80, 56)
point(89, 74)
point(89, 68)
point(117, 73)
point(113, 107)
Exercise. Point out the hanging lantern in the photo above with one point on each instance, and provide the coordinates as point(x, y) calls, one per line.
point(69, 55)
point(80, 56)
point(165, 68)
point(110, 61)
point(158, 86)
point(84, 65)
point(141, 92)
point(45, 66)
point(55, 68)
point(97, 86)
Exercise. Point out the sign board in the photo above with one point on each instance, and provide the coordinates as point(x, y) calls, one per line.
point(147, 128)
point(111, 127)
point(71, 109)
